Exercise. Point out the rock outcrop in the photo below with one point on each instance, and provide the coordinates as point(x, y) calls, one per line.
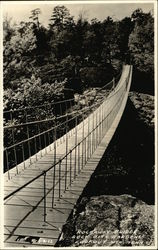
point(109, 220)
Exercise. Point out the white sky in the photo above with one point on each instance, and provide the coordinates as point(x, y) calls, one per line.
point(21, 11)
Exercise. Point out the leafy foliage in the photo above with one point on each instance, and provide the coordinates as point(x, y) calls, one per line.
point(61, 18)
point(29, 92)
point(39, 62)
point(43, 65)
point(18, 53)
point(141, 42)
point(34, 15)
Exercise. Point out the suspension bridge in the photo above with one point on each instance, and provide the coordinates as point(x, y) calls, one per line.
point(48, 168)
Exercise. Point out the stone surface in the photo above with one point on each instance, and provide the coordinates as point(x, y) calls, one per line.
point(109, 220)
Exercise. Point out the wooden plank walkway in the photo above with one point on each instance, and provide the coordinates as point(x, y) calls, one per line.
point(24, 224)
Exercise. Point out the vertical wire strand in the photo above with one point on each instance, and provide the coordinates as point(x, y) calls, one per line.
point(7, 163)
point(14, 149)
point(36, 148)
point(93, 135)
point(82, 138)
point(75, 145)
point(66, 152)
point(23, 154)
point(40, 143)
point(45, 142)
point(88, 141)
point(29, 148)
point(44, 190)
point(79, 157)
point(59, 179)
point(70, 166)
point(54, 168)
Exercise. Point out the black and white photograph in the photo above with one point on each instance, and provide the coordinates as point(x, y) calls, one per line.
point(79, 124)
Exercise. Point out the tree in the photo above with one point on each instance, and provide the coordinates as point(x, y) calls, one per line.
point(110, 40)
point(141, 42)
point(18, 53)
point(35, 16)
point(60, 18)
point(61, 32)
point(81, 28)
point(96, 46)
point(8, 29)
point(125, 29)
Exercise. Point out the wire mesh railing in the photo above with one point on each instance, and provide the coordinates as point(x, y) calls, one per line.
point(88, 135)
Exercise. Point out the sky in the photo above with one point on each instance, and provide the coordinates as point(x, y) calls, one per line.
point(21, 11)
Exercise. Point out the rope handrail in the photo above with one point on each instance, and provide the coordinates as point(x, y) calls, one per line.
point(62, 158)
point(55, 127)
point(39, 142)
point(112, 93)
point(53, 103)
point(35, 136)
point(45, 171)
point(66, 166)
point(47, 131)
point(46, 120)
point(49, 119)
point(39, 106)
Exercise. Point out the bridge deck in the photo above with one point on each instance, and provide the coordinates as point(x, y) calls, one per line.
point(24, 213)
